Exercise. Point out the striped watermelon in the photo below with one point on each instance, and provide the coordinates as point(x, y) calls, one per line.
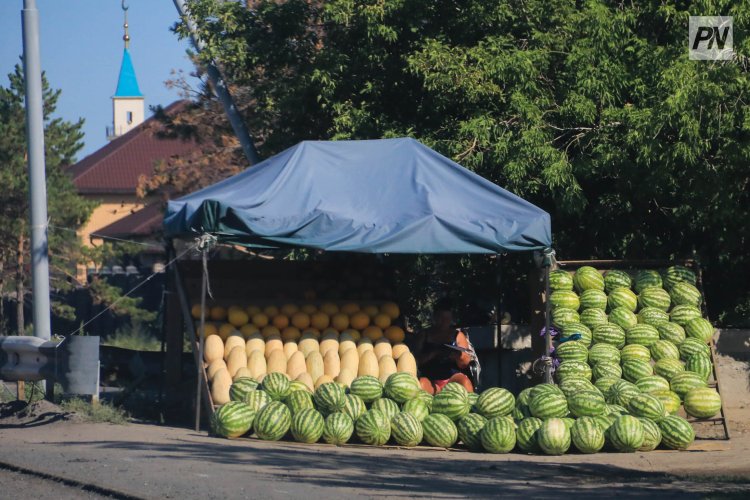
point(605, 421)
point(257, 400)
point(587, 435)
point(540, 389)
point(626, 433)
point(416, 407)
point(702, 402)
point(524, 396)
point(668, 368)
point(571, 386)
point(587, 278)
point(604, 353)
point(307, 426)
point(655, 297)
point(609, 334)
point(652, 383)
point(669, 399)
point(635, 351)
point(406, 429)
point(572, 350)
point(526, 434)
point(591, 318)
point(616, 279)
point(566, 299)
point(240, 387)
point(576, 369)
point(426, 398)
point(553, 436)
point(439, 430)
point(664, 349)
point(298, 385)
point(676, 432)
point(560, 280)
point(329, 398)
point(647, 406)
point(620, 392)
point(373, 428)
point(473, 398)
point(645, 335)
point(684, 382)
point(452, 404)
point(586, 404)
point(701, 364)
point(561, 316)
point(276, 385)
point(622, 297)
point(593, 299)
point(676, 274)
point(651, 435)
point(232, 419)
point(571, 329)
point(401, 387)
point(606, 369)
point(354, 406)
point(652, 316)
point(469, 431)
point(616, 409)
point(692, 346)
point(671, 331)
point(367, 387)
point(548, 405)
point(273, 421)
point(498, 435)
point(299, 400)
point(645, 279)
point(681, 314)
point(700, 329)
point(635, 369)
point(338, 429)
point(455, 387)
point(622, 317)
point(388, 407)
point(604, 383)
point(684, 293)
point(520, 412)
point(495, 402)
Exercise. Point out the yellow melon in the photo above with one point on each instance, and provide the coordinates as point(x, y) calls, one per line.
point(364, 345)
point(248, 330)
point(290, 348)
point(371, 310)
point(232, 342)
point(271, 311)
point(220, 387)
point(238, 317)
point(311, 332)
point(323, 379)
point(308, 309)
point(257, 365)
point(273, 344)
point(340, 321)
point(349, 308)
point(382, 321)
point(195, 311)
point(213, 349)
point(391, 309)
point(345, 345)
point(329, 345)
point(242, 372)
point(359, 320)
point(386, 368)
point(330, 333)
point(276, 362)
point(306, 379)
point(331, 363)
point(368, 364)
point(214, 367)
point(320, 320)
point(209, 328)
point(253, 310)
point(260, 320)
point(218, 313)
point(280, 321)
point(270, 331)
point(296, 365)
point(301, 320)
point(345, 377)
point(395, 334)
point(350, 361)
point(399, 349)
point(225, 330)
point(382, 347)
point(255, 342)
point(315, 365)
point(329, 308)
point(373, 333)
point(290, 334)
point(237, 359)
point(289, 309)
point(308, 345)
point(407, 363)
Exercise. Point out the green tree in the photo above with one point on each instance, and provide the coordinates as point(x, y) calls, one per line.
point(590, 109)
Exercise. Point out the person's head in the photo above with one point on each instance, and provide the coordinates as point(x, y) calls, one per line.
point(442, 314)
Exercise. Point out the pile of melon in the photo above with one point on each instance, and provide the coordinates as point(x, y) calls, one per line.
point(311, 343)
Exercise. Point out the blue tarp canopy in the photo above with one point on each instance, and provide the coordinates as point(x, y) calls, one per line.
point(375, 196)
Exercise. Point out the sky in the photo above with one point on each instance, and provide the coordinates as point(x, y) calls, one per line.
point(81, 51)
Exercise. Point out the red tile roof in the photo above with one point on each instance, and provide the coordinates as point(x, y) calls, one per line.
point(144, 222)
point(116, 167)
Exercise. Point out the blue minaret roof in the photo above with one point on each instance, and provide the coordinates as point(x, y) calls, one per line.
point(127, 84)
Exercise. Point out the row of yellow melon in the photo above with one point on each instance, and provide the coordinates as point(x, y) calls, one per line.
point(291, 333)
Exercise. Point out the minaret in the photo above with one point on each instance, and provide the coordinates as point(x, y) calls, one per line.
point(127, 103)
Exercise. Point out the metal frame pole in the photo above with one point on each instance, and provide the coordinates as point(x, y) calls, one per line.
point(547, 333)
point(201, 341)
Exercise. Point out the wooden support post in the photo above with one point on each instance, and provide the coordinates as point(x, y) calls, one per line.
point(21, 390)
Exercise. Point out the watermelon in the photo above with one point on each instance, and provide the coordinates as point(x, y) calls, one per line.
point(651, 435)
point(455, 387)
point(452, 404)
point(573, 350)
point(652, 316)
point(273, 421)
point(609, 334)
point(526, 434)
point(693, 346)
point(495, 402)
point(616, 279)
point(668, 368)
point(439, 430)
point(560, 280)
point(616, 409)
point(635, 369)
point(676, 432)
point(540, 389)
point(654, 297)
point(520, 412)
point(561, 316)
point(299, 400)
point(276, 385)
point(669, 399)
point(701, 364)
point(406, 429)
point(604, 353)
point(354, 406)
point(388, 407)
point(469, 431)
point(593, 299)
point(664, 349)
point(620, 392)
point(605, 421)
point(577, 369)
point(641, 334)
point(553, 436)
point(606, 369)
point(699, 329)
point(571, 386)
point(702, 402)
point(671, 332)
point(647, 406)
point(426, 398)
point(591, 318)
point(416, 407)
point(635, 351)
point(571, 329)
point(338, 428)
point(586, 404)
point(646, 279)
point(622, 317)
point(604, 383)
point(676, 274)
point(548, 405)
point(257, 400)
point(684, 293)
point(232, 419)
point(626, 433)
point(373, 427)
point(525, 396)
point(298, 385)
point(566, 299)
point(652, 383)
point(367, 387)
point(622, 297)
point(684, 382)
point(329, 398)
point(241, 387)
point(307, 426)
point(498, 435)
point(473, 398)
point(681, 314)
point(587, 435)
point(401, 387)
point(587, 278)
